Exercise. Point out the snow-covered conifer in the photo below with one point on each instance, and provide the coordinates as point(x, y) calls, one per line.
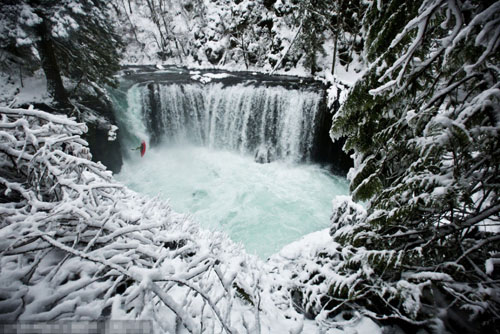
point(69, 38)
point(423, 123)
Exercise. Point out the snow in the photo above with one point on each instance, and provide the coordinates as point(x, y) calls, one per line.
point(207, 77)
point(62, 25)
point(294, 259)
point(217, 75)
point(32, 90)
point(439, 191)
point(189, 25)
point(295, 249)
point(490, 265)
point(76, 8)
point(425, 275)
point(190, 271)
point(28, 17)
point(112, 133)
point(128, 234)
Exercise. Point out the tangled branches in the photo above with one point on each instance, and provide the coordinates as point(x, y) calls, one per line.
point(76, 246)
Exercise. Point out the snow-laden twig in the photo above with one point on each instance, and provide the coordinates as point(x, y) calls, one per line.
point(74, 244)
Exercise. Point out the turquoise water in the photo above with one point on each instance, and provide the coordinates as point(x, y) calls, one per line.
point(263, 206)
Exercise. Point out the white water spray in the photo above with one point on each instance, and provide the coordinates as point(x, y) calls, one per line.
point(240, 118)
point(205, 160)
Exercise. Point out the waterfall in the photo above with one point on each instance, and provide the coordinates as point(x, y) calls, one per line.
point(263, 206)
point(270, 123)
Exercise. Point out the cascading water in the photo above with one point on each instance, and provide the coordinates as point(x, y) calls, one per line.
point(207, 142)
point(271, 121)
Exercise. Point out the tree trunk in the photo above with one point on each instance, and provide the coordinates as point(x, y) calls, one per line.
point(337, 32)
point(335, 52)
point(50, 66)
point(288, 49)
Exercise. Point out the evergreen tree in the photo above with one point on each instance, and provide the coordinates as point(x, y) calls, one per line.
point(312, 35)
point(70, 38)
point(320, 19)
point(424, 126)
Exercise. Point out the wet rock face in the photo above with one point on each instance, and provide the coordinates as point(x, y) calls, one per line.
point(214, 55)
point(101, 135)
point(264, 154)
point(269, 3)
point(103, 150)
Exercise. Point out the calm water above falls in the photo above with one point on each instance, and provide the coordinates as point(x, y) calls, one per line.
point(263, 206)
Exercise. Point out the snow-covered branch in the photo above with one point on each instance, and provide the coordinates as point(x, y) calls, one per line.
point(76, 245)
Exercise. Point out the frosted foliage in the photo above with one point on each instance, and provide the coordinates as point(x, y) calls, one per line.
point(62, 25)
point(28, 17)
point(328, 279)
point(15, 22)
point(21, 18)
point(76, 245)
point(242, 35)
point(454, 127)
point(345, 214)
point(430, 169)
